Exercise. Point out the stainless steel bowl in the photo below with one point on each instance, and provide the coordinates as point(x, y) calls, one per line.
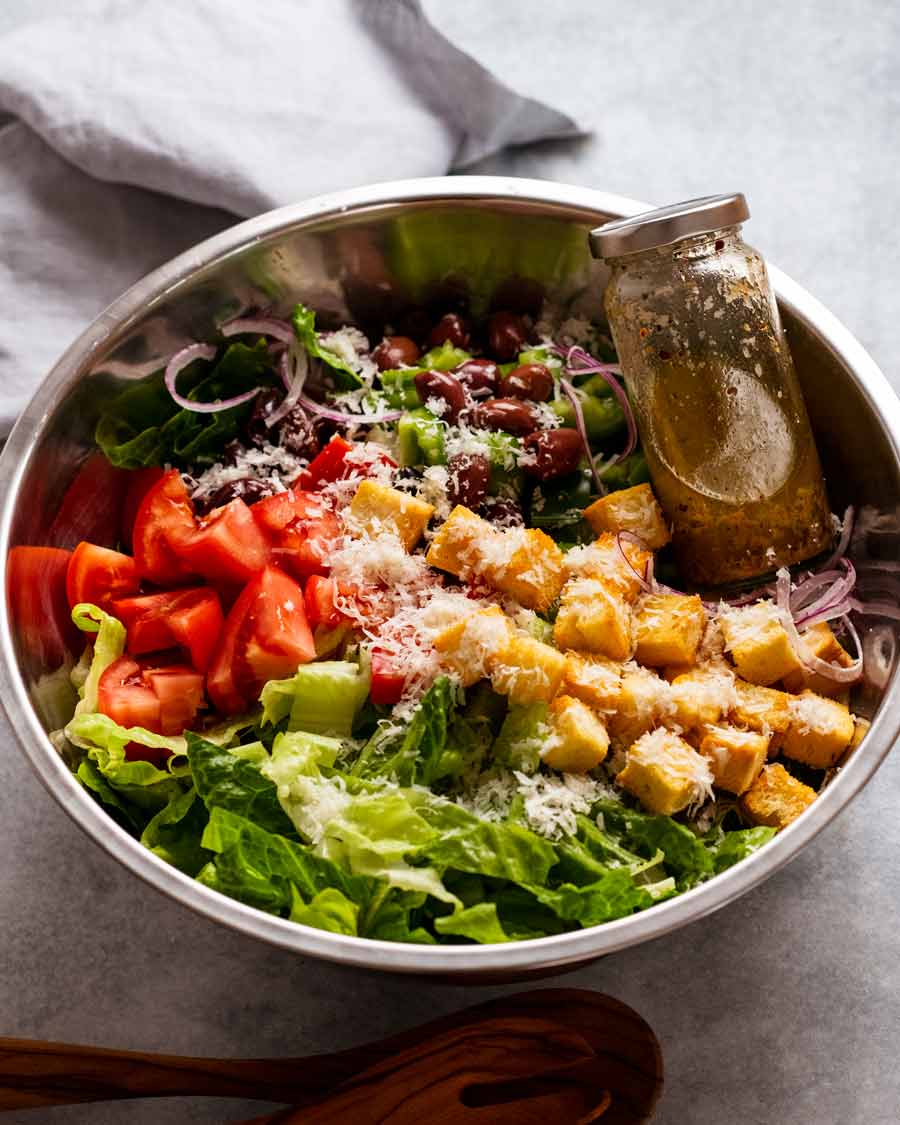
point(354, 255)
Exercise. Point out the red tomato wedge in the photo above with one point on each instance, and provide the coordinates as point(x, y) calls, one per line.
point(163, 700)
point(318, 598)
point(165, 514)
point(332, 464)
point(266, 637)
point(191, 618)
point(140, 481)
point(388, 681)
point(36, 588)
point(91, 507)
point(302, 529)
point(97, 574)
point(225, 546)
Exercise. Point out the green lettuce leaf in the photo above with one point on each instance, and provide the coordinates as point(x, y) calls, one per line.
point(304, 320)
point(232, 779)
point(612, 896)
point(129, 816)
point(323, 698)
point(109, 644)
point(265, 870)
point(738, 844)
point(414, 754)
point(498, 850)
point(175, 832)
point(522, 737)
point(479, 923)
point(686, 855)
point(142, 782)
point(327, 910)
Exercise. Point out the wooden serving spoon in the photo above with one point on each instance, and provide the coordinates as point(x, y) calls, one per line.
point(568, 1052)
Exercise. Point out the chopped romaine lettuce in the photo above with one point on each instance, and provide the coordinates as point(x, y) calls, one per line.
point(304, 320)
point(324, 697)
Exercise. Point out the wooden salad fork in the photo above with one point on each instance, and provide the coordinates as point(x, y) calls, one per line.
point(570, 1053)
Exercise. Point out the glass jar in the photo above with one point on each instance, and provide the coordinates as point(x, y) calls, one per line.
point(716, 398)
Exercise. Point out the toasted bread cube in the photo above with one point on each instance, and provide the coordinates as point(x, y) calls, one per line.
point(819, 732)
point(735, 756)
point(776, 799)
point(376, 507)
point(630, 509)
point(526, 670)
point(594, 680)
point(645, 701)
point(668, 629)
point(702, 696)
point(665, 774)
point(594, 618)
point(818, 640)
point(618, 563)
point(456, 544)
point(765, 710)
point(578, 740)
point(528, 566)
point(469, 646)
point(759, 643)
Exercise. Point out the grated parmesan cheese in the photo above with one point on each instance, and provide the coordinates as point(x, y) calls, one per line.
point(552, 802)
point(268, 463)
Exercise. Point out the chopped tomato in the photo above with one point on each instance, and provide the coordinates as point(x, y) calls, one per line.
point(266, 637)
point(191, 618)
point(318, 598)
point(97, 574)
point(165, 514)
point(302, 528)
point(91, 507)
point(332, 464)
point(162, 700)
point(225, 546)
point(140, 481)
point(39, 608)
point(388, 681)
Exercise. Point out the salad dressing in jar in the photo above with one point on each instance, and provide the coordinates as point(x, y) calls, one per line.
point(718, 405)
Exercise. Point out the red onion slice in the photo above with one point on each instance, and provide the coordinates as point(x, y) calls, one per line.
point(345, 416)
point(259, 325)
point(579, 362)
point(293, 381)
point(177, 364)
point(816, 664)
point(844, 541)
point(572, 395)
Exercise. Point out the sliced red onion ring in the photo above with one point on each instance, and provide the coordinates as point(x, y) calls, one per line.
point(177, 364)
point(816, 664)
point(645, 579)
point(579, 362)
point(345, 416)
point(844, 541)
point(259, 325)
point(293, 381)
point(572, 395)
point(840, 588)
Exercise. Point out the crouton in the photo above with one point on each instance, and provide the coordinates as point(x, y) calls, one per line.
point(758, 642)
point(820, 730)
point(668, 629)
point(762, 709)
point(593, 618)
point(376, 507)
point(526, 564)
point(818, 640)
point(469, 646)
point(630, 509)
point(702, 696)
point(735, 756)
point(578, 740)
point(644, 702)
point(526, 670)
point(665, 773)
point(776, 799)
point(594, 680)
point(618, 563)
point(455, 547)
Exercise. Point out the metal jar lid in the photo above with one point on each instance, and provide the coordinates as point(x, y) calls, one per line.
point(665, 225)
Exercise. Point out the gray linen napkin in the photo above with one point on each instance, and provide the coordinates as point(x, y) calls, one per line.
point(143, 126)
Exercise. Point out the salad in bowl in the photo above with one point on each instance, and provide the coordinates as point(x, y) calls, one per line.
point(390, 643)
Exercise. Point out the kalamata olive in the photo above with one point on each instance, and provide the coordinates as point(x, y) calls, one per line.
point(264, 405)
point(297, 433)
point(451, 328)
point(445, 387)
point(247, 489)
point(507, 335)
point(502, 511)
point(478, 376)
point(394, 351)
point(508, 414)
point(555, 453)
point(528, 380)
point(469, 475)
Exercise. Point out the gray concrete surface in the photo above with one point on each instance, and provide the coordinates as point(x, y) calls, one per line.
point(785, 1006)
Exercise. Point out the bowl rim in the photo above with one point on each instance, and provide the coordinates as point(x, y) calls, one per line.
point(546, 953)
